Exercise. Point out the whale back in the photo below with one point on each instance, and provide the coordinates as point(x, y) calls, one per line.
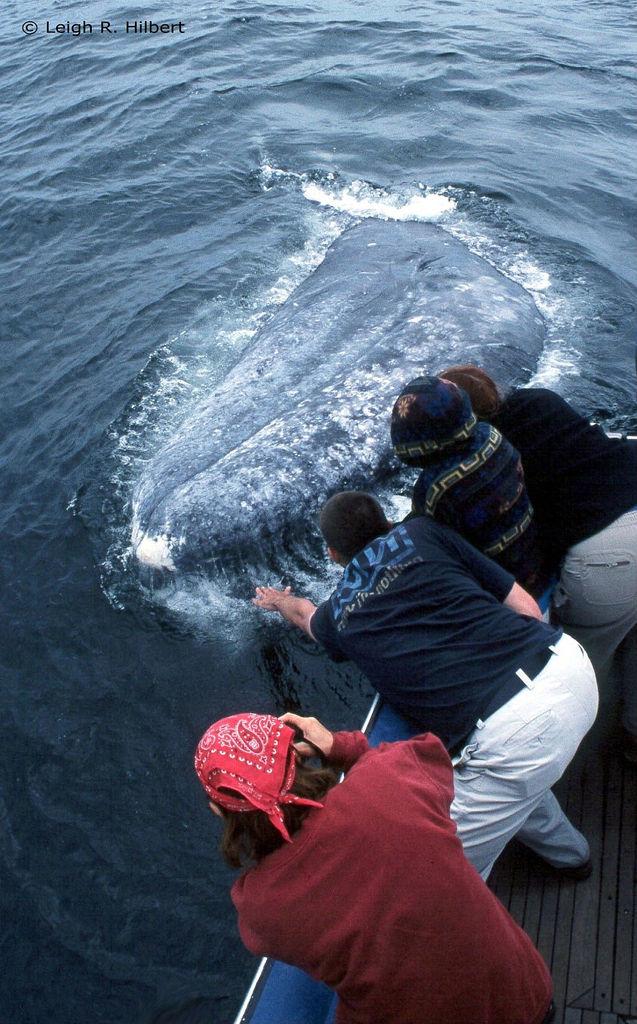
point(305, 409)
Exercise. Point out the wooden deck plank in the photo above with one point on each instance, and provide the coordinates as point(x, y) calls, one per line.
point(562, 941)
point(520, 885)
point(548, 917)
point(572, 1016)
point(583, 954)
point(501, 878)
point(625, 948)
point(572, 801)
point(593, 1017)
point(533, 909)
point(608, 896)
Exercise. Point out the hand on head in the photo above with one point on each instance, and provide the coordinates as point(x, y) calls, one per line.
point(318, 736)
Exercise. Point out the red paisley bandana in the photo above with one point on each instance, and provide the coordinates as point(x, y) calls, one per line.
point(251, 755)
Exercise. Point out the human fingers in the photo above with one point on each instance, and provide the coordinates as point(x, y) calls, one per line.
point(265, 597)
point(313, 732)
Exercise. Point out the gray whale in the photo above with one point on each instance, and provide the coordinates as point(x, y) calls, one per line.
point(305, 411)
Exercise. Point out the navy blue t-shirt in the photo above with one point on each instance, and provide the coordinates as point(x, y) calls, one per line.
point(420, 611)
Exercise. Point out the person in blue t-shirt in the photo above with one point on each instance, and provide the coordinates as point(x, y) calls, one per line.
point(452, 642)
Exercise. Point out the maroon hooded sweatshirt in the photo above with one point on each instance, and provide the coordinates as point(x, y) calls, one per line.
point(375, 897)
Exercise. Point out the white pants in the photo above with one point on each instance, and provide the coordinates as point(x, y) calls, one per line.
point(504, 775)
point(596, 601)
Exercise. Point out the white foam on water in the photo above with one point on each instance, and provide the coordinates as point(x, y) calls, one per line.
point(362, 200)
point(205, 604)
point(523, 270)
point(271, 175)
point(554, 363)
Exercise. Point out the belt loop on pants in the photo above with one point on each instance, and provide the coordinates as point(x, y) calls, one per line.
point(528, 682)
point(534, 665)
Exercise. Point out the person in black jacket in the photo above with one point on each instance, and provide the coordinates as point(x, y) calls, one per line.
point(583, 487)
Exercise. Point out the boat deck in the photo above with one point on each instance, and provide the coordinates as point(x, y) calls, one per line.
point(586, 931)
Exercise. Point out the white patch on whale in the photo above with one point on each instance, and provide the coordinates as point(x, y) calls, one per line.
point(152, 550)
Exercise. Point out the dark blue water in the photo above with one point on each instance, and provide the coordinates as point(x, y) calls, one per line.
point(161, 195)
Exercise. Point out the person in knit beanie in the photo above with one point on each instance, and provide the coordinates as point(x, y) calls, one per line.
point(470, 478)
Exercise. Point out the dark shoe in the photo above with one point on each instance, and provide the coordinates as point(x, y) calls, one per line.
point(577, 873)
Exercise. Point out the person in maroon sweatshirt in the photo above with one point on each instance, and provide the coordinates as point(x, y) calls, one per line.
point(364, 885)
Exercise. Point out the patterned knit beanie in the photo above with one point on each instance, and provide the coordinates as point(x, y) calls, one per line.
point(430, 416)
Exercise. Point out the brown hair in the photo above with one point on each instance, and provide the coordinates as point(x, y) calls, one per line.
point(482, 390)
point(251, 836)
point(349, 520)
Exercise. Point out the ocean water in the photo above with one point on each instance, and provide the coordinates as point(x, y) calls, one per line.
point(162, 196)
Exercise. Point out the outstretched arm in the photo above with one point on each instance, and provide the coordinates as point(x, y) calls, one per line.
point(296, 610)
point(520, 601)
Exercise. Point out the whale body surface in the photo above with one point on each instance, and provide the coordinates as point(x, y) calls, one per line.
point(306, 409)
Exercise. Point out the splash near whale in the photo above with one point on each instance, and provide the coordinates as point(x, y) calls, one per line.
point(305, 411)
